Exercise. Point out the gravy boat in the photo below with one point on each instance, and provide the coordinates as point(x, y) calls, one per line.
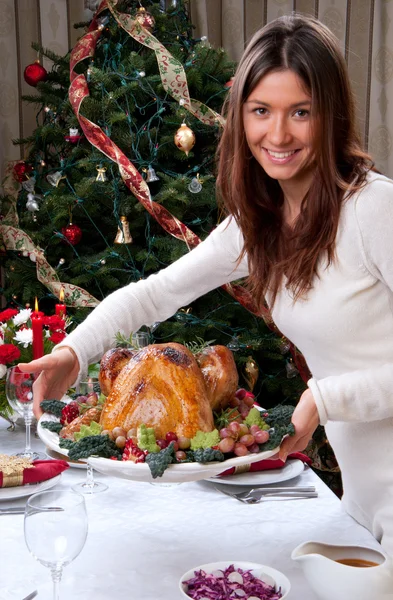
point(332, 580)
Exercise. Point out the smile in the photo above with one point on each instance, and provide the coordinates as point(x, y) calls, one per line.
point(280, 154)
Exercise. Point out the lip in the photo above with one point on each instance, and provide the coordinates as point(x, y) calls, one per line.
point(280, 161)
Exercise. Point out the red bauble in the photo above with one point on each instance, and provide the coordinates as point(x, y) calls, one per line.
point(145, 18)
point(72, 233)
point(35, 73)
point(21, 170)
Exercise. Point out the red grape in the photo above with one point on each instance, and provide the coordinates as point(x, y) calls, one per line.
point(226, 432)
point(162, 443)
point(171, 437)
point(247, 440)
point(240, 449)
point(227, 445)
point(234, 427)
point(261, 437)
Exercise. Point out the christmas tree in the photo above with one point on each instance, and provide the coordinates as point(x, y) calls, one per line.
point(119, 181)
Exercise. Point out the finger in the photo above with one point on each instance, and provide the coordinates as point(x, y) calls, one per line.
point(293, 444)
point(40, 364)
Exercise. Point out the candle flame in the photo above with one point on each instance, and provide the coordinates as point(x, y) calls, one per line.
point(36, 305)
point(61, 295)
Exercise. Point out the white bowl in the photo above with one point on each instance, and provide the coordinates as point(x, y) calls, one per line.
point(257, 570)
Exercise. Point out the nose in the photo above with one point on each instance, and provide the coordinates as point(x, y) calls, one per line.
point(278, 134)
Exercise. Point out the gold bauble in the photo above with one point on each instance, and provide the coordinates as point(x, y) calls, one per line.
point(251, 373)
point(184, 138)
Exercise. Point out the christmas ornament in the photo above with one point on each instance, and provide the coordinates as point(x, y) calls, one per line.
point(291, 369)
point(229, 83)
point(55, 178)
point(284, 346)
point(21, 171)
point(123, 235)
point(35, 73)
point(32, 202)
point(72, 233)
point(195, 185)
point(234, 344)
point(101, 174)
point(29, 184)
point(151, 175)
point(184, 138)
point(144, 18)
point(73, 136)
point(251, 373)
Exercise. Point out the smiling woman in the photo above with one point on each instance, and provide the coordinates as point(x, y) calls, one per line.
point(310, 224)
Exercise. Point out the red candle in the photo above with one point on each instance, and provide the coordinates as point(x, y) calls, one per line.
point(60, 308)
point(36, 325)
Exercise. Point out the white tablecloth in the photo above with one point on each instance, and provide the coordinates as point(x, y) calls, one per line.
point(143, 537)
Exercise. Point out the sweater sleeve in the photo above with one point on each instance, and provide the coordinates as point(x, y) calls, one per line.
point(211, 264)
point(365, 395)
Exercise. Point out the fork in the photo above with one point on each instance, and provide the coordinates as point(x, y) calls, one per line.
point(249, 498)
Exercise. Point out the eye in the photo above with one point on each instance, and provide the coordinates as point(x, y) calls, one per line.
point(302, 112)
point(260, 111)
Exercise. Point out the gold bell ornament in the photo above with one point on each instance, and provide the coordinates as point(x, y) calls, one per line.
point(101, 174)
point(123, 235)
point(151, 175)
point(251, 373)
point(184, 138)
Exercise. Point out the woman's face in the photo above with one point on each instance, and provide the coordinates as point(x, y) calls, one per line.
point(277, 124)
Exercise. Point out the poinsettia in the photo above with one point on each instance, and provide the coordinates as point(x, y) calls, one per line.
point(16, 341)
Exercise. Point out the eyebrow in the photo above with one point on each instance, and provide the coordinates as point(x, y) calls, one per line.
point(296, 105)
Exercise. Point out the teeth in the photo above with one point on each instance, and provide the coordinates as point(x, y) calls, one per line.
point(281, 154)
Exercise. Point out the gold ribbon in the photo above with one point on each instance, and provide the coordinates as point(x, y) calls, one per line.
point(12, 468)
point(241, 469)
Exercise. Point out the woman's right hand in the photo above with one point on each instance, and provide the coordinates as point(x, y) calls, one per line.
point(56, 373)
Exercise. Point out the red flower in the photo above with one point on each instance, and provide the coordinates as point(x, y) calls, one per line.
point(56, 337)
point(8, 353)
point(54, 323)
point(8, 313)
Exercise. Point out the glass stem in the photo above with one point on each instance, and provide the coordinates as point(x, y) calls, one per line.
point(56, 578)
point(89, 476)
point(28, 419)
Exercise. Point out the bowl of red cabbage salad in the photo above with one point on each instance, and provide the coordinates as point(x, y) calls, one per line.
point(234, 581)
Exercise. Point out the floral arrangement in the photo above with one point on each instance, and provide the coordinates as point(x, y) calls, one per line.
point(16, 342)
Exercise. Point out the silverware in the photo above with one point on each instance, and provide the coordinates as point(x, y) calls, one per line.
point(12, 511)
point(31, 596)
point(256, 495)
point(21, 510)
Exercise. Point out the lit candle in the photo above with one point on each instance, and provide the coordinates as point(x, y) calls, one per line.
point(60, 308)
point(36, 325)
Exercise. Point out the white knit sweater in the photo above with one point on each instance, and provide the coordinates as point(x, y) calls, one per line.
point(344, 329)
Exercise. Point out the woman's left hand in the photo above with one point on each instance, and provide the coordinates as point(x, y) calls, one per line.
point(305, 419)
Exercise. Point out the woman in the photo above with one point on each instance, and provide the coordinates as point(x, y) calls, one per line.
point(310, 223)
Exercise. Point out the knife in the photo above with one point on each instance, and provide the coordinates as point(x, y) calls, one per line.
point(31, 596)
point(12, 511)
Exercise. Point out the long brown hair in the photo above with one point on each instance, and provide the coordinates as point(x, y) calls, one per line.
point(310, 50)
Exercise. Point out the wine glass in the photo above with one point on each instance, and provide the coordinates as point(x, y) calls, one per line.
point(55, 530)
point(19, 392)
point(89, 486)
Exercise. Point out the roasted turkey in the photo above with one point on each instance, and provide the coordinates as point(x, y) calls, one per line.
point(164, 387)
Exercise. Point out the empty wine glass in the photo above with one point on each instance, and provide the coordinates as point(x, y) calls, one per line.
point(19, 392)
point(55, 530)
point(89, 486)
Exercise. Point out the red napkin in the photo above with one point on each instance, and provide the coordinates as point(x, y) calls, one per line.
point(42, 470)
point(265, 465)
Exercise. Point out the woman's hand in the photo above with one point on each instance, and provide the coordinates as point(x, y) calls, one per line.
point(305, 419)
point(57, 372)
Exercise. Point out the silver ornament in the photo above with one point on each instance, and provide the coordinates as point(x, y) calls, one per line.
point(29, 184)
point(195, 185)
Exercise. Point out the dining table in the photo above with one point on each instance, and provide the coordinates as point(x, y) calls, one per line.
point(143, 537)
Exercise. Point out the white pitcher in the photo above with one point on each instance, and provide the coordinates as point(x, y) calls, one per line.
point(332, 580)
